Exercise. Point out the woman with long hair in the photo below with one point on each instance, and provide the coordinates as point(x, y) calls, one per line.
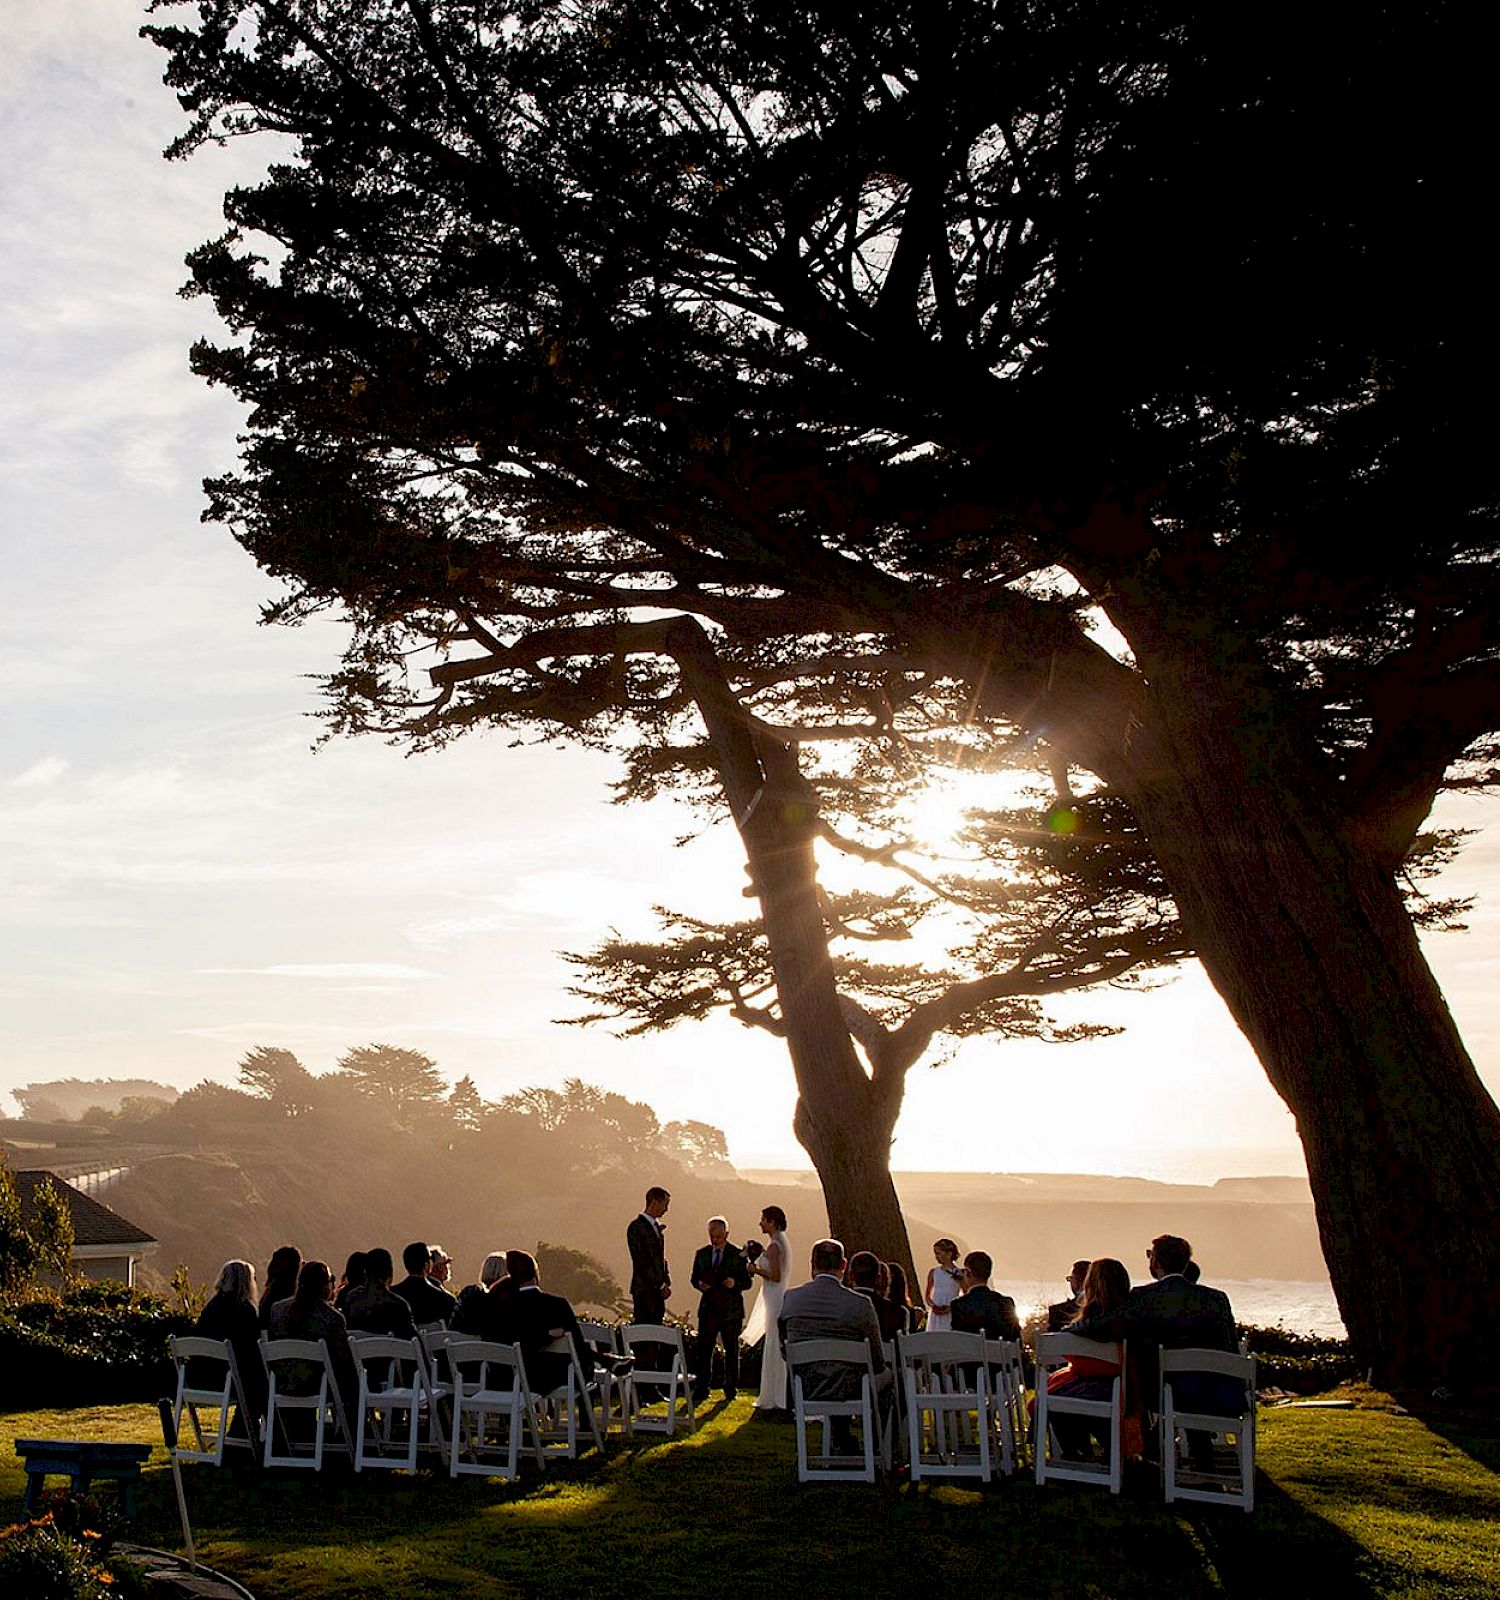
point(281, 1279)
point(1106, 1287)
point(309, 1313)
point(900, 1296)
point(231, 1315)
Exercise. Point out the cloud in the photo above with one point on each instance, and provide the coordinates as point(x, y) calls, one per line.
point(324, 969)
point(41, 773)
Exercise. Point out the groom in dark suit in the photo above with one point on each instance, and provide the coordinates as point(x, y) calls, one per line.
point(721, 1274)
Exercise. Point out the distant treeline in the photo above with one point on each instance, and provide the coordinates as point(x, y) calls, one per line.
point(94, 1099)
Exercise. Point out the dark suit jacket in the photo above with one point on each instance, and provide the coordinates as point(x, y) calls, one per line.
point(429, 1301)
point(723, 1305)
point(890, 1316)
point(373, 1308)
point(648, 1259)
point(528, 1318)
point(1060, 1314)
point(984, 1310)
point(1174, 1314)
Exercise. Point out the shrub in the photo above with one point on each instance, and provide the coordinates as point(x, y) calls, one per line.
point(97, 1344)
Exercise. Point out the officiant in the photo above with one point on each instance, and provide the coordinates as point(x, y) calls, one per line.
point(721, 1274)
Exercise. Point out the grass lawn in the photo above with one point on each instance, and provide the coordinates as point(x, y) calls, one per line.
point(1350, 1503)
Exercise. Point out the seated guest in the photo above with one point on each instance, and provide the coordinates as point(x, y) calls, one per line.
point(825, 1309)
point(469, 1313)
point(1064, 1311)
point(309, 1313)
point(373, 1308)
point(353, 1278)
point(900, 1297)
point(1105, 1289)
point(281, 1279)
point(980, 1309)
point(440, 1266)
point(429, 1301)
point(1172, 1313)
point(231, 1314)
point(531, 1319)
point(864, 1279)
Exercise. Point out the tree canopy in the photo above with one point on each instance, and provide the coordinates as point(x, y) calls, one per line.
point(1106, 377)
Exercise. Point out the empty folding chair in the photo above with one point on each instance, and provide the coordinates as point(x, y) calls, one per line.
point(1007, 1402)
point(208, 1378)
point(663, 1367)
point(493, 1419)
point(602, 1338)
point(560, 1409)
point(1224, 1471)
point(392, 1387)
point(301, 1391)
point(945, 1383)
point(825, 1465)
point(1055, 1350)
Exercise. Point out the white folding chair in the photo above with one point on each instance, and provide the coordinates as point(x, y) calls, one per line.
point(822, 1465)
point(602, 1338)
point(559, 1409)
point(492, 1410)
point(288, 1396)
point(223, 1392)
point(1007, 1372)
point(392, 1374)
point(945, 1379)
point(1055, 1350)
point(1228, 1483)
point(673, 1377)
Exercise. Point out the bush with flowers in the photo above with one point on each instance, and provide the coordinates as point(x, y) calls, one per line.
point(64, 1554)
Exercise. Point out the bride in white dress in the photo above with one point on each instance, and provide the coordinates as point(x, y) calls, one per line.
point(773, 1267)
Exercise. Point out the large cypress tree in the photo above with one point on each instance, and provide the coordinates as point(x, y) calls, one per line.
point(894, 347)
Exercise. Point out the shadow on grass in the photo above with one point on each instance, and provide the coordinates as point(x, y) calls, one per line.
point(721, 1513)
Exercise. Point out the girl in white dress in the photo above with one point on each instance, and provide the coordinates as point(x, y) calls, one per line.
point(942, 1286)
point(773, 1267)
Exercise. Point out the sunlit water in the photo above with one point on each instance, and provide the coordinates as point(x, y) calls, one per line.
point(1298, 1306)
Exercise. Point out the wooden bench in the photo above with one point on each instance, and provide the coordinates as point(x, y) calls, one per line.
point(81, 1462)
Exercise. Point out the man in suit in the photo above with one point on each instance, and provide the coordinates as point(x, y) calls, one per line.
point(429, 1301)
point(721, 1275)
point(981, 1309)
point(531, 1319)
point(1060, 1314)
point(865, 1268)
point(372, 1307)
point(825, 1309)
point(1173, 1313)
point(650, 1280)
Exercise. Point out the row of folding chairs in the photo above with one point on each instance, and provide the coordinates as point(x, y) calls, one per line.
point(465, 1400)
point(962, 1401)
point(1225, 1474)
point(956, 1401)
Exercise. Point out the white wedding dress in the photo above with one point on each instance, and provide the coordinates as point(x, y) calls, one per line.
point(762, 1320)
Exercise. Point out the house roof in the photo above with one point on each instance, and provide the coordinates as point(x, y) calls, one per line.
point(93, 1223)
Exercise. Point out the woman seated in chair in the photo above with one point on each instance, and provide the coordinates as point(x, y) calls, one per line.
point(1106, 1287)
point(231, 1314)
point(310, 1314)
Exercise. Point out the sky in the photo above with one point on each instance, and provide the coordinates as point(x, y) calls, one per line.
point(183, 877)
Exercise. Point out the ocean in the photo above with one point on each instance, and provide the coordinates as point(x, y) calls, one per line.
point(1298, 1306)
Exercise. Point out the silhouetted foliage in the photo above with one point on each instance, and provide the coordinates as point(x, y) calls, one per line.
point(278, 1076)
point(403, 1082)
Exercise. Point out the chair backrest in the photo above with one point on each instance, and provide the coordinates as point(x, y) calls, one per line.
point(936, 1349)
point(379, 1346)
point(1055, 1349)
point(601, 1335)
point(649, 1333)
point(1222, 1363)
point(469, 1353)
point(844, 1352)
point(193, 1347)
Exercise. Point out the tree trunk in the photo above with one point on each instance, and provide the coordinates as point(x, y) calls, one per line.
point(845, 1118)
point(1315, 955)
